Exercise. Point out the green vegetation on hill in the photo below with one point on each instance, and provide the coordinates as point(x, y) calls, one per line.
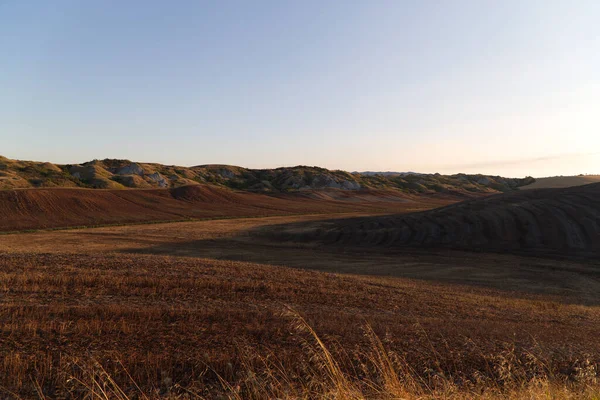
point(115, 174)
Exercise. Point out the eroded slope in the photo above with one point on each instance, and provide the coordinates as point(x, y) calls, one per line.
point(562, 221)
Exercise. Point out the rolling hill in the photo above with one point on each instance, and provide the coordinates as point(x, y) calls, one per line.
point(66, 207)
point(541, 221)
point(562, 181)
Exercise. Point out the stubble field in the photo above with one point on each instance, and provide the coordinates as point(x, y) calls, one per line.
point(210, 309)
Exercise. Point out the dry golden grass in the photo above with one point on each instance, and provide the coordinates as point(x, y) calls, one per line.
point(128, 326)
point(381, 374)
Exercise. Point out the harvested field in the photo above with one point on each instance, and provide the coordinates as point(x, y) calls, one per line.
point(575, 281)
point(231, 307)
point(177, 322)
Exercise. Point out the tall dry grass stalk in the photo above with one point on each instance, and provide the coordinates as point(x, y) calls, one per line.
point(378, 374)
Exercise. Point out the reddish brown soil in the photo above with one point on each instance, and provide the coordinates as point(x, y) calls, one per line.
point(53, 208)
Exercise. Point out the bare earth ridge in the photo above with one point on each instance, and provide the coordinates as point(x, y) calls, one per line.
point(542, 221)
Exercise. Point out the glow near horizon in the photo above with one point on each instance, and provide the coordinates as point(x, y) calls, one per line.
point(509, 88)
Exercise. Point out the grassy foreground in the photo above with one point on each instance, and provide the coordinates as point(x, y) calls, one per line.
point(378, 373)
point(117, 326)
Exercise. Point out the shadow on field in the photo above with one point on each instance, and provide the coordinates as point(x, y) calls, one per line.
point(575, 281)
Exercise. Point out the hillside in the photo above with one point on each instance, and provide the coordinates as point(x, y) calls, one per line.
point(562, 181)
point(65, 207)
point(121, 174)
point(542, 221)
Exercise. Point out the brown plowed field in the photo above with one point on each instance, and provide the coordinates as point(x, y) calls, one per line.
point(55, 208)
point(543, 221)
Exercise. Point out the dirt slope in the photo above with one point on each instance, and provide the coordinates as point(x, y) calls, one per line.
point(563, 221)
point(50, 208)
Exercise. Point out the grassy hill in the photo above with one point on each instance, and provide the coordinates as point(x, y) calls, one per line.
point(121, 174)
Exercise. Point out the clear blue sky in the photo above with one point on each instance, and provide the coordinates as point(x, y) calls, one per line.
point(504, 87)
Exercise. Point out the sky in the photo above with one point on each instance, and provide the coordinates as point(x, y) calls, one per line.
point(506, 87)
